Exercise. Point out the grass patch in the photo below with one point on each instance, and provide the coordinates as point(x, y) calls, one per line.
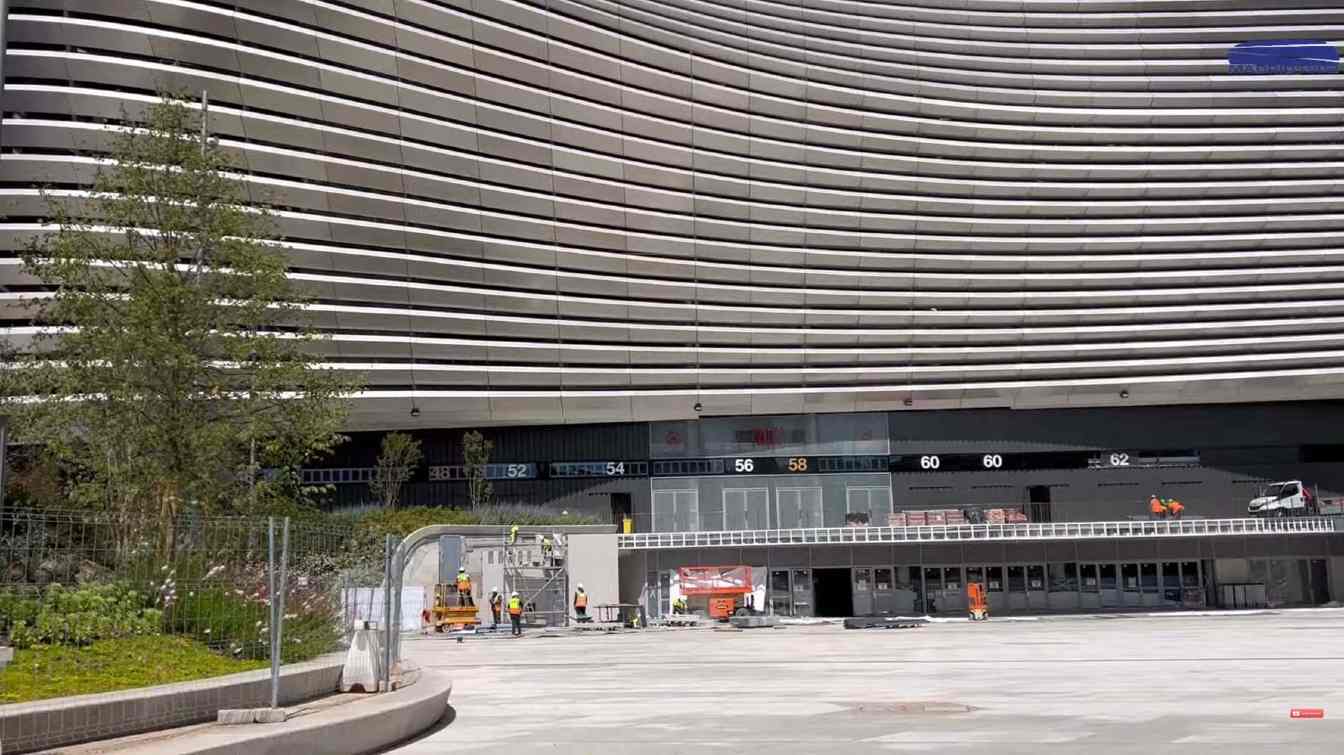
point(46, 671)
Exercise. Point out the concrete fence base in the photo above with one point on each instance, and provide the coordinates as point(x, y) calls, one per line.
point(26, 727)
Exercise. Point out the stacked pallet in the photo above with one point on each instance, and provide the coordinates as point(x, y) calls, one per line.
point(954, 516)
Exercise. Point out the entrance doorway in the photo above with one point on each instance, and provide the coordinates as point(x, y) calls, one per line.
point(620, 510)
point(1320, 584)
point(833, 592)
point(1038, 498)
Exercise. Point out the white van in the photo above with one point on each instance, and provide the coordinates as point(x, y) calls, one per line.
point(1288, 498)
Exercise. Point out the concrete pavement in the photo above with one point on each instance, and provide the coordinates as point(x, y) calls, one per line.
point(1206, 684)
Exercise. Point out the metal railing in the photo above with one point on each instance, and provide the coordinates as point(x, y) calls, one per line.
point(976, 532)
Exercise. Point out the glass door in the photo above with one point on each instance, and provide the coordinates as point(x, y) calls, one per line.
point(1171, 584)
point(884, 592)
point(933, 589)
point(802, 592)
point(781, 596)
point(994, 589)
point(1129, 585)
point(1148, 585)
point(1017, 587)
point(1089, 585)
point(1036, 595)
point(863, 591)
point(954, 591)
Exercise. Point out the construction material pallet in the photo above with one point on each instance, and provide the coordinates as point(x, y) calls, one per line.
point(753, 622)
point(600, 626)
point(883, 622)
point(681, 620)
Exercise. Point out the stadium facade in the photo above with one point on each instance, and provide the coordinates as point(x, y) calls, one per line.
point(950, 254)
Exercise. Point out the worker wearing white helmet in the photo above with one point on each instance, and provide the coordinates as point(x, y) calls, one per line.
point(496, 605)
point(580, 603)
point(516, 613)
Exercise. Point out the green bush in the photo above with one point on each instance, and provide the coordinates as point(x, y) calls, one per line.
point(404, 521)
point(79, 616)
point(238, 625)
point(15, 609)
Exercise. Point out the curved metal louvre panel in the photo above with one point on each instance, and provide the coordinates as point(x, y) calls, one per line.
point(592, 210)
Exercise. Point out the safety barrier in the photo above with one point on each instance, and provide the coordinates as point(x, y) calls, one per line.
point(977, 532)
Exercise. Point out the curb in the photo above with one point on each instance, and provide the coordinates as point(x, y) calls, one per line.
point(360, 727)
point(67, 721)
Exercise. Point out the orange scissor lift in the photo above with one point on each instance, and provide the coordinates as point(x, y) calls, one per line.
point(723, 587)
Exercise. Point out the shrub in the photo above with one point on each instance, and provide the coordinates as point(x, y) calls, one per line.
point(404, 521)
point(15, 609)
point(79, 616)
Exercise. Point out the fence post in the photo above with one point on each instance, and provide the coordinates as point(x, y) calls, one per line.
point(387, 614)
point(278, 609)
point(270, 593)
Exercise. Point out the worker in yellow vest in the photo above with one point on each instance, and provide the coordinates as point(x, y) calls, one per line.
point(516, 613)
point(580, 602)
point(464, 588)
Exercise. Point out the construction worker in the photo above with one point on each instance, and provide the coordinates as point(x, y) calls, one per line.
point(1175, 507)
point(547, 549)
point(513, 534)
point(516, 613)
point(464, 588)
point(580, 602)
point(679, 606)
point(1156, 507)
point(496, 605)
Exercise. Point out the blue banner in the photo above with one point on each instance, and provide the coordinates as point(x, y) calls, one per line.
point(1280, 56)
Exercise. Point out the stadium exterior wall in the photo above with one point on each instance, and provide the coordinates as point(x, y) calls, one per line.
point(582, 211)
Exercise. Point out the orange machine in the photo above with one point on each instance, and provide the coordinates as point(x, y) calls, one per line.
point(446, 616)
point(977, 601)
point(722, 586)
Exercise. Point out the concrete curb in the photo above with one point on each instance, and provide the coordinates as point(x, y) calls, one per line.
point(64, 721)
point(359, 727)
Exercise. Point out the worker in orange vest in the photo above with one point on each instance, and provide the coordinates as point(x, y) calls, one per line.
point(580, 602)
point(1175, 507)
point(496, 603)
point(464, 588)
point(1156, 507)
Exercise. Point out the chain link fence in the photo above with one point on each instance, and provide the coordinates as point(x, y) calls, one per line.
point(92, 601)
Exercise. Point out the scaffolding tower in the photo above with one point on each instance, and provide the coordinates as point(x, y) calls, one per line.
point(539, 576)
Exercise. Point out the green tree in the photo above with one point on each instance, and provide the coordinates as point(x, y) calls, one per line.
point(175, 358)
point(397, 460)
point(476, 453)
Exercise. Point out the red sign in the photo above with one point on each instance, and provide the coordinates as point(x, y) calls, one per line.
point(768, 437)
point(1307, 713)
point(673, 438)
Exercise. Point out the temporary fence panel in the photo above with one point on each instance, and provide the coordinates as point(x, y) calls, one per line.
point(73, 579)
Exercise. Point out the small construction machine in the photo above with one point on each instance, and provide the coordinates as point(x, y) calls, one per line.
point(977, 601)
point(447, 615)
point(725, 588)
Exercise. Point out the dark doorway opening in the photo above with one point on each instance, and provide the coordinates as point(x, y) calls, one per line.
point(620, 509)
point(1320, 582)
point(833, 592)
point(1038, 500)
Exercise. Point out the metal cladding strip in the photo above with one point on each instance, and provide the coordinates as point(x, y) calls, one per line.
point(599, 210)
point(977, 533)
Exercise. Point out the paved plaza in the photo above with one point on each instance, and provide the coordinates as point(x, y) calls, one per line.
point(1126, 684)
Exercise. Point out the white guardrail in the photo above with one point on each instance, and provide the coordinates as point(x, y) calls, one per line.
point(976, 532)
